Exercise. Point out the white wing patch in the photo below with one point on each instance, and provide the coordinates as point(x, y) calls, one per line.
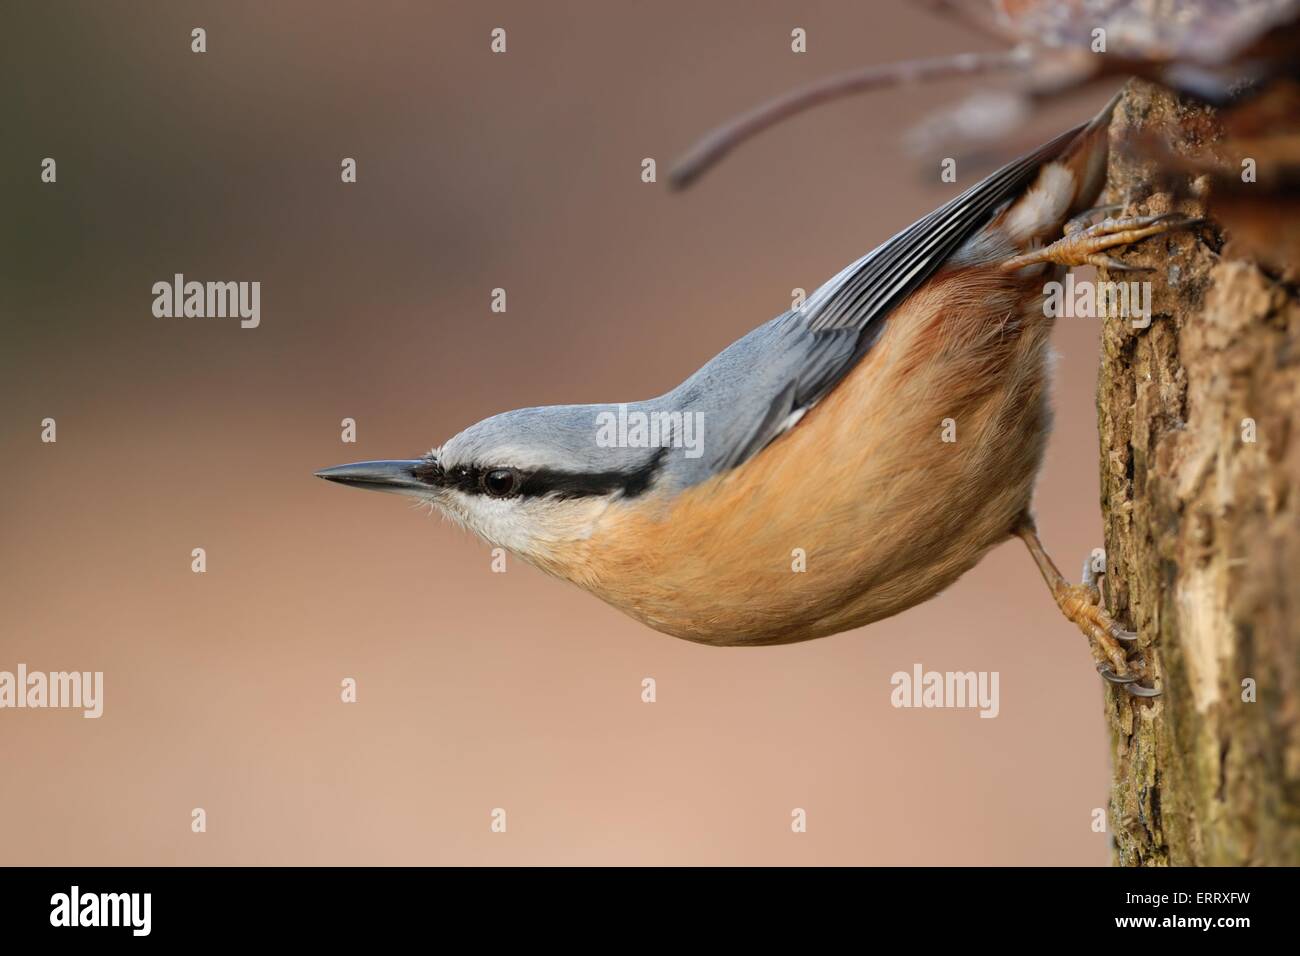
point(1043, 205)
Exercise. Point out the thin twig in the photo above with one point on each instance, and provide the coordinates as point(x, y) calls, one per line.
point(709, 150)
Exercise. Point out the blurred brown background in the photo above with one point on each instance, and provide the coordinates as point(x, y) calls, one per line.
point(476, 690)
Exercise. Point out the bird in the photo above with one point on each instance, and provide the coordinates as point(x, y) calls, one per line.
point(844, 461)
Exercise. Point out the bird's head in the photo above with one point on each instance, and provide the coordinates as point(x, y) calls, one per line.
point(531, 480)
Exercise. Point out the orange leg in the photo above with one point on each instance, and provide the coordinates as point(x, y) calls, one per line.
point(1081, 605)
point(1085, 245)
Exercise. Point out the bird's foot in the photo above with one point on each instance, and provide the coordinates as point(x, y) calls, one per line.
point(1081, 604)
point(1084, 219)
point(1086, 245)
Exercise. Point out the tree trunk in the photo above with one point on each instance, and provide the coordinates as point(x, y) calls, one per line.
point(1200, 476)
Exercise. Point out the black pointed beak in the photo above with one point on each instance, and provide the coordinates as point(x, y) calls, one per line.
point(395, 476)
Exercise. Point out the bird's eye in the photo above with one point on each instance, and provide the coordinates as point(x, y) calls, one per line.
point(500, 482)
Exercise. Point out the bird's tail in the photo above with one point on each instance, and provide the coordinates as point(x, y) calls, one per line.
point(1087, 154)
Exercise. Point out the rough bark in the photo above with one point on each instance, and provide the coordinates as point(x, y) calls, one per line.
point(1202, 525)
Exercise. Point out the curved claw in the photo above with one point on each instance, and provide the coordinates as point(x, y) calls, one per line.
point(1081, 221)
point(1128, 681)
point(1120, 634)
point(1183, 220)
point(1116, 265)
point(1105, 671)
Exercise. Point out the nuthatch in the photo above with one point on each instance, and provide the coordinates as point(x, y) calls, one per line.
point(821, 432)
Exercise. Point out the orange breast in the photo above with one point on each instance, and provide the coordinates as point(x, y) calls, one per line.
point(865, 507)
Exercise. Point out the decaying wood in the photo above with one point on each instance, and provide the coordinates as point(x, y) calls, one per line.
point(1199, 419)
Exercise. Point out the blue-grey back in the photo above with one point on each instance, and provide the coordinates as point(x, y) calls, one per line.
point(760, 385)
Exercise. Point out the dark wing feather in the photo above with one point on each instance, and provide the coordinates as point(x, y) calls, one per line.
point(838, 324)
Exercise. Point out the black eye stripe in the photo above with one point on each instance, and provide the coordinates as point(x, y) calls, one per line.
point(564, 484)
point(429, 471)
point(465, 479)
point(469, 479)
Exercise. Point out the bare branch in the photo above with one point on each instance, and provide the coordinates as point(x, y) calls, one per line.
point(709, 150)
